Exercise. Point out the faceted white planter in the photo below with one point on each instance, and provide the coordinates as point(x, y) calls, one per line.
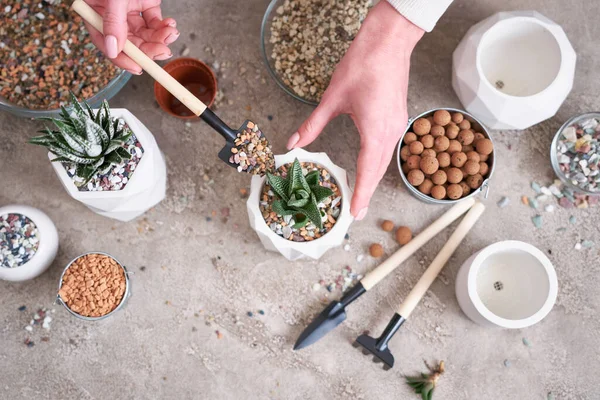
point(296, 250)
point(508, 284)
point(145, 189)
point(47, 248)
point(513, 69)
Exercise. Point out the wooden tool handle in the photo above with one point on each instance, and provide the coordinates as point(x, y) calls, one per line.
point(153, 69)
point(417, 292)
point(375, 276)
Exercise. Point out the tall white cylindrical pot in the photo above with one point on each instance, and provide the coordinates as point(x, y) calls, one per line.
point(513, 69)
point(508, 284)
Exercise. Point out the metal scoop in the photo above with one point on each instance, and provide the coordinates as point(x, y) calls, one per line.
point(246, 149)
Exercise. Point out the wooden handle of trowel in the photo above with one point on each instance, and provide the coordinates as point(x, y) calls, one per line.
point(153, 69)
point(375, 276)
point(419, 290)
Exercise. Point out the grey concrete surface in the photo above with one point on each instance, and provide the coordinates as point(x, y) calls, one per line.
point(202, 276)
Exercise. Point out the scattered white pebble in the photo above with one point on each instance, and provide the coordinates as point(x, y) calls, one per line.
point(549, 208)
point(7, 9)
point(29, 328)
point(360, 257)
point(347, 247)
point(40, 15)
point(316, 286)
point(577, 246)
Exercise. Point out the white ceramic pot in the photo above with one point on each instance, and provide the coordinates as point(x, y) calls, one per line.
point(47, 248)
point(146, 186)
point(508, 284)
point(296, 250)
point(513, 69)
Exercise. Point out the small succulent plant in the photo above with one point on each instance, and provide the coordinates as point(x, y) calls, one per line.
point(299, 195)
point(426, 383)
point(93, 142)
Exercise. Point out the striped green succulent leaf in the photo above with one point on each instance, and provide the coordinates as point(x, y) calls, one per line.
point(123, 153)
point(72, 157)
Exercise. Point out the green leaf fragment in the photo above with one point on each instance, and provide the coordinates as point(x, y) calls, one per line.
point(321, 192)
point(312, 178)
point(280, 208)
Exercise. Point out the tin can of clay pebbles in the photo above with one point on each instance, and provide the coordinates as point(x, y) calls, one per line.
point(446, 155)
point(94, 286)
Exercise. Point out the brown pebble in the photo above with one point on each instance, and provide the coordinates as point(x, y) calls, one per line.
point(483, 157)
point(410, 137)
point(403, 235)
point(429, 165)
point(474, 181)
point(483, 168)
point(421, 127)
point(442, 117)
point(416, 148)
point(459, 159)
point(467, 148)
point(452, 131)
point(453, 147)
point(429, 153)
point(376, 250)
point(466, 189)
point(437, 131)
point(457, 117)
point(439, 178)
point(454, 191)
point(405, 168)
point(471, 167)
point(465, 137)
point(427, 141)
point(464, 124)
point(387, 225)
point(404, 153)
point(441, 143)
point(478, 136)
point(413, 162)
point(438, 192)
point(443, 159)
point(426, 186)
point(484, 146)
point(415, 177)
point(455, 175)
point(473, 156)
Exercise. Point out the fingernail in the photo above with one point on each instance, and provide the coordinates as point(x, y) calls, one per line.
point(163, 56)
point(362, 213)
point(135, 72)
point(293, 140)
point(172, 24)
point(171, 38)
point(112, 48)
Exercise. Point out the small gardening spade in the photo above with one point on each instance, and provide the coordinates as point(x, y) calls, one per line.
point(335, 313)
point(235, 153)
point(378, 347)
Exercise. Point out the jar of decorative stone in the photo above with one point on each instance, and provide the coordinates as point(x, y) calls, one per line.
point(28, 242)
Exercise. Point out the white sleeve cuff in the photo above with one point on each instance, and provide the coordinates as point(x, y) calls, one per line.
point(423, 13)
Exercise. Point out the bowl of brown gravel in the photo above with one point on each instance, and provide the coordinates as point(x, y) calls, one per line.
point(47, 53)
point(94, 286)
point(302, 41)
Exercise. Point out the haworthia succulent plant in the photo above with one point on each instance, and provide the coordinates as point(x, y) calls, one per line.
point(299, 195)
point(92, 141)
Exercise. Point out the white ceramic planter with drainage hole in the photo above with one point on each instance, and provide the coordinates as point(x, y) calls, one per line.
point(296, 250)
point(47, 248)
point(513, 69)
point(508, 284)
point(145, 189)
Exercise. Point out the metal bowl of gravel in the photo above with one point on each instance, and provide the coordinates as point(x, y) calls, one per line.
point(292, 44)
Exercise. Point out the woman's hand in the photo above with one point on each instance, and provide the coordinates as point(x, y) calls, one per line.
point(139, 21)
point(370, 84)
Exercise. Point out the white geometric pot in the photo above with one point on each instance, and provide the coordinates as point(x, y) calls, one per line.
point(288, 248)
point(145, 188)
point(47, 247)
point(513, 69)
point(508, 284)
